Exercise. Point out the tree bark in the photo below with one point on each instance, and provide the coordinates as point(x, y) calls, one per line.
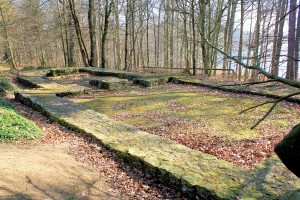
point(9, 56)
point(93, 61)
point(82, 47)
point(108, 9)
point(291, 74)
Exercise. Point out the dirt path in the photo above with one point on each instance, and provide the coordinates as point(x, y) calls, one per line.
point(67, 165)
point(48, 172)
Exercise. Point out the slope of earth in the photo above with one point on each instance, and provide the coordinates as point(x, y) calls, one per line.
point(200, 118)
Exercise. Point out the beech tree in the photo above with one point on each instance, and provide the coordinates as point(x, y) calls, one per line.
point(130, 34)
point(93, 61)
point(291, 68)
point(5, 11)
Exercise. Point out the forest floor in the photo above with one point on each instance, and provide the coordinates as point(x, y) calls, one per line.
point(66, 165)
point(200, 118)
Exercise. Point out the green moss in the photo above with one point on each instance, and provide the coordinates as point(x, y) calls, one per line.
point(218, 115)
point(196, 172)
point(63, 71)
point(270, 180)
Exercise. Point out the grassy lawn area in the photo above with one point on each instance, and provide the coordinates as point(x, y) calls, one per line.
point(203, 119)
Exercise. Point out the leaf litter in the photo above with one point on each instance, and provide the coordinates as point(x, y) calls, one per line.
point(128, 180)
point(243, 152)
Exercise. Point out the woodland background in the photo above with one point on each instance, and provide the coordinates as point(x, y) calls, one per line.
point(171, 34)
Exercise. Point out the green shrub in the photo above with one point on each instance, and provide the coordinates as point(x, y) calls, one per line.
point(4, 84)
point(25, 68)
point(15, 127)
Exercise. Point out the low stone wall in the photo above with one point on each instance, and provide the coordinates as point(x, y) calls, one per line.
point(149, 82)
point(110, 83)
point(199, 175)
point(60, 72)
point(107, 72)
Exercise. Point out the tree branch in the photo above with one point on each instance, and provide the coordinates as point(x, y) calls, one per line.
point(265, 73)
point(247, 84)
point(272, 108)
point(253, 107)
point(256, 67)
point(286, 14)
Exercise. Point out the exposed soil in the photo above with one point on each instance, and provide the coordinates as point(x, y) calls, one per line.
point(48, 172)
point(67, 165)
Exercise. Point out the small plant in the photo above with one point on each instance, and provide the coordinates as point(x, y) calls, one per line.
point(4, 84)
point(29, 68)
point(15, 127)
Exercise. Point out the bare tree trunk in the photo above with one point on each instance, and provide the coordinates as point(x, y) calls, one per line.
point(63, 29)
point(290, 74)
point(249, 44)
point(158, 35)
point(194, 37)
point(278, 35)
point(93, 61)
point(226, 30)
point(70, 35)
point(126, 64)
point(140, 56)
point(171, 37)
point(185, 39)
point(166, 33)
point(117, 36)
point(147, 34)
point(201, 29)
point(9, 56)
point(132, 35)
point(230, 31)
point(83, 51)
point(240, 51)
point(255, 60)
point(297, 43)
point(108, 9)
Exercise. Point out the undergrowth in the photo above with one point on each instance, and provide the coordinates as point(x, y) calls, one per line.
point(13, 126)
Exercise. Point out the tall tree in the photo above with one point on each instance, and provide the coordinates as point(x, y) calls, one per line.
point(81, 43)
point(240, 51)
point(297, 43)
point(92, 31)
point(278, 35)
point(108, 10)
point(291, 68)
point(8, 51)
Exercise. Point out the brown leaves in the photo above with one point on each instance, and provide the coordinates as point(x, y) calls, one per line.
point(245, 153)
point(129, 181)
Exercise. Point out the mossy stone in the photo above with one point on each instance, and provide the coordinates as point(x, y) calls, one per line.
point(288, 150)
point(60, 72)
point(110, 83)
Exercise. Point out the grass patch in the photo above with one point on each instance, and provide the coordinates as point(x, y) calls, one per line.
point(14, 127)
point(4, 85)
point(200, 112)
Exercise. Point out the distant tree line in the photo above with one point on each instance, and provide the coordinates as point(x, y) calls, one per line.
point(130, 34)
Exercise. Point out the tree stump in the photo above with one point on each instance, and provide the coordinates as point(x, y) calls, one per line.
point(288, 150)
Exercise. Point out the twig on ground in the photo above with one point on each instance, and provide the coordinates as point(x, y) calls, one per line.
point(253, 107)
